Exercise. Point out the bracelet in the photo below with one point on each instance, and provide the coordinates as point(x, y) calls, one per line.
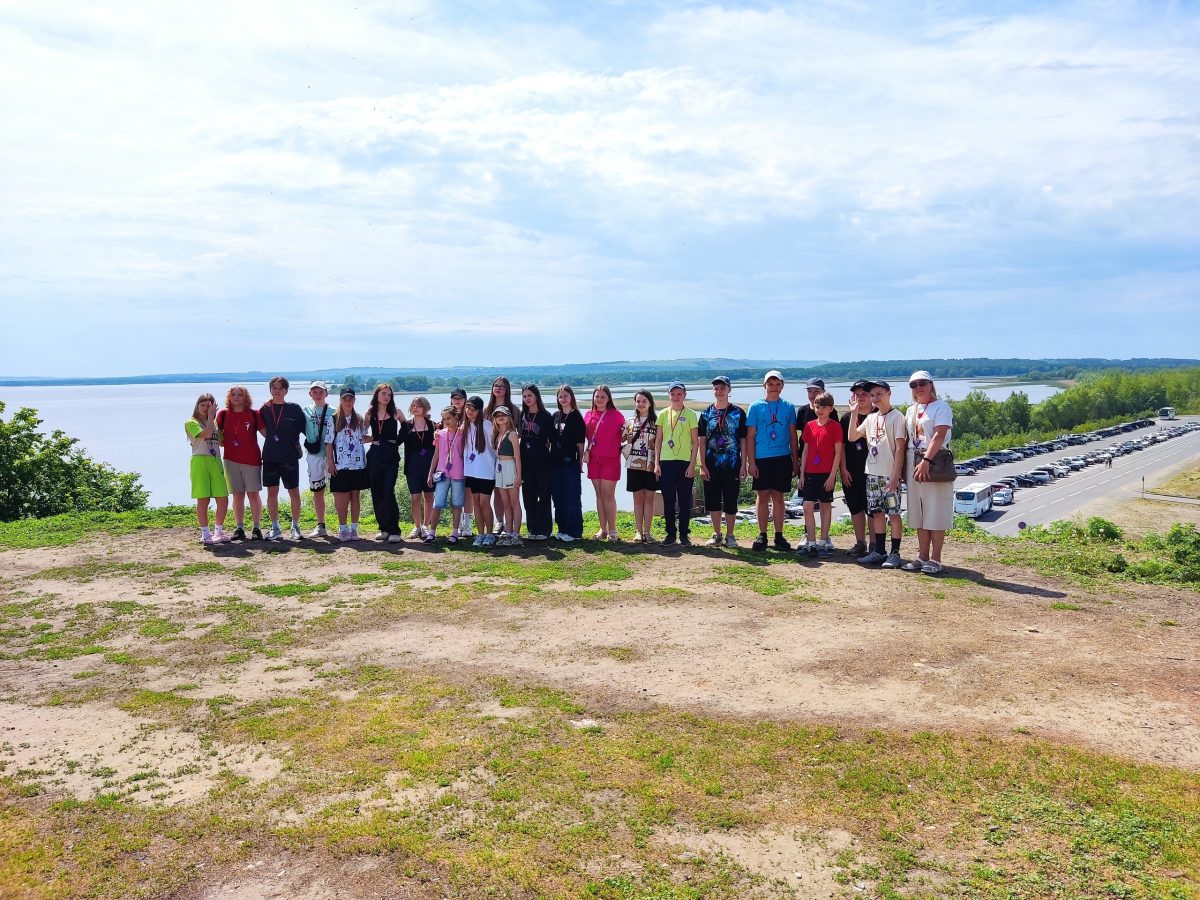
point(926, 459)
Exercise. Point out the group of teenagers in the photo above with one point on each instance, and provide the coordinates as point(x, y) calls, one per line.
point(499, 462)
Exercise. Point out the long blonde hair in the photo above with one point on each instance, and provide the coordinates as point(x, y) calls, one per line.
point(196, 409)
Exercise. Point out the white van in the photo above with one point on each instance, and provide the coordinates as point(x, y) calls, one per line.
point(974, 500)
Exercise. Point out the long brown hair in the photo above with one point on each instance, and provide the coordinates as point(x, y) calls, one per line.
point(569, 390)
point(196, 409)
point(607, 393)
point(474, 403)
point(498, 435)
point(492, 404)
point(391, 407)
point(244, 390)
point(339, 417)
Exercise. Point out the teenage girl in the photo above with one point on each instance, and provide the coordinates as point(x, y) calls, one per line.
point(458, 400)
point(602, 453)
point(501, 395)
point(385, 423)
point(208, 478)
point(566, 466)
point(640, 480)
point(479, 467)
point(346, 462)
point(238, 424)
point(446, 475)
point(508, 475)
point(536, 428)
point(418, 454)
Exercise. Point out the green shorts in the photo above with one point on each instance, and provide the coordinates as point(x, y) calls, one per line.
point(208, 478)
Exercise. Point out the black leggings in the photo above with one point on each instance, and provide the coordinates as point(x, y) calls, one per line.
point(383, 492)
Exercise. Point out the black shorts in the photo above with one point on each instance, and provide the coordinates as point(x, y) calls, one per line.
point(346, 480)
point(640, 480)
point(275, 472)
point(483, 486)
point(774, 474)
point(814, 488)
point(721, 490)
point(418, 483)
point(856, 493)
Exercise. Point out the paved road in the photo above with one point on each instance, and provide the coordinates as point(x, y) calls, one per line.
point(1063, 497)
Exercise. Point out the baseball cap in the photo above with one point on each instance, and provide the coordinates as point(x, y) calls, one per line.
point(919, 375)
point(476, 402)
point(774, 373)
point(677, 384)
point(816, 383)
point(501, 411)
point(871, 385)
point(348, 392)
point(319, 384)
point(458, 392)
point(723, 379)
point(862, 385)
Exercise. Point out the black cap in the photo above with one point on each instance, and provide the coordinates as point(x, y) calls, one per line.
point(458, 392)
point(816, 383)
point(348, 392)
point(862, 385)
point(476, 402)
point(723, 379)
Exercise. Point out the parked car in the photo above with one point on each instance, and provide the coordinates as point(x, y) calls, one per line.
point(1037, 476)
point(963, 469)
point(1028, 480)
point(1002, 495)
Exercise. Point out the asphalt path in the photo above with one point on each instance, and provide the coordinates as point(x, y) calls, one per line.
point(1063, 497)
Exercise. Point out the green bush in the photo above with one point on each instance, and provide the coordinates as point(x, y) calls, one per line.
point(46, 475)
point(1103, 530)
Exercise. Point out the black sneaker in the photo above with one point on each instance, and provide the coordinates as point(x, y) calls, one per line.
point(781, 543)
point(760, 543)
point(239, 534)
point(858, 550)
point(256, 534)
point(685, 541)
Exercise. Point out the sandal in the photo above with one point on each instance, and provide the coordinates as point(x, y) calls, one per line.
point(933, 567)
point(915, 565)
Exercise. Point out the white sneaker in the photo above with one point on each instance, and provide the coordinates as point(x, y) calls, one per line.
point(318, 532)
point(220, 537)
point(714, 541)
point(415, 534)
point(354, 533)
point(274, 534)
point(536, 537)
point(514, 540)
point(382, 536)
point(394, 539)
point(344, 533)
point(566, 538)
point(294, 533)
point(206, 537)
point(730, 541)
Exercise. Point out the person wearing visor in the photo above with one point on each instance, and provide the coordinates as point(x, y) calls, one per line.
point(930, 424)
point(675, 464)
point(722, 435)
point(854, 463)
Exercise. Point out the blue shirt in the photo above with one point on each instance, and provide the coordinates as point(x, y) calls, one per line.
point(771, 418)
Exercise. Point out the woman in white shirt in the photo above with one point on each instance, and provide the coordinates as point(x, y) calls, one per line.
point(930, 503)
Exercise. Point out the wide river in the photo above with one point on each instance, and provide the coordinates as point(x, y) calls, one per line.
point(139, 427)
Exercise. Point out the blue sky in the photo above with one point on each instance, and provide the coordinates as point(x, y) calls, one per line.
point(217, 186)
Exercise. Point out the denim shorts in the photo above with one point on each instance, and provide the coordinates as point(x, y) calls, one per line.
point(456, 488)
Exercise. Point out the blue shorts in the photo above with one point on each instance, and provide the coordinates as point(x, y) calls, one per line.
point(456, 488)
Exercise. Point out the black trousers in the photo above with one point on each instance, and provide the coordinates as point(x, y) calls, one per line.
point(535, 492)
point(382, 474)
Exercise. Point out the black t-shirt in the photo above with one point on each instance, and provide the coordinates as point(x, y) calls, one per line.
point(804, 415)
point(537, 432)
point(388, 437)
point(855, 451)
point(569, 433)
point(284, 424)
point(418, 447)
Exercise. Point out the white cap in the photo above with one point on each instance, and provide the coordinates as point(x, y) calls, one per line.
point(322, 385)
point(919, 375)
point(774, 373)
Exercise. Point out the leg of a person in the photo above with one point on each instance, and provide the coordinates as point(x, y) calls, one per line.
point(762, 502)
point(273, 502)
point(897, 526)
point(936, 539)
point(498, 506)
point(239, 508)
point(202, 512)
point(542, 478)
point(826, 517)
point(684, 491)
point(255, 506)
point(596, 485)
point(294, 496)
point(777, 510)
point(860, 527)
point(355, 506)
point(574, 500)
point(810, 520)
point(428, 503)
point(730, 502)
point(923, 541)
point(670, 492)
point(558, 494)
point(341, 502)
point(222, 511)
point(319, 505)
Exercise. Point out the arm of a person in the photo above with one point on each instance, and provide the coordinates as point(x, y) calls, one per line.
point(260, 423)
point(901, 445)
point(433, 466)
point(517, 463)
point(700, 436)
point(838, 463)
point(856, 426)
point(751, 463)
point(921, 469)
point(793, 442)
point(658, 439)
point(691, 469)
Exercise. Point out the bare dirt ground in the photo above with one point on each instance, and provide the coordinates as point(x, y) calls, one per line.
point(983, 648)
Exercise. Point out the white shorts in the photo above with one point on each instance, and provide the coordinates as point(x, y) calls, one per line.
point(506, 473)
point(316, 471)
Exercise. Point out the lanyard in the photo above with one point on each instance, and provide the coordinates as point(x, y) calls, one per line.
point(276, 417)
point(774, 412)
point(679, 418)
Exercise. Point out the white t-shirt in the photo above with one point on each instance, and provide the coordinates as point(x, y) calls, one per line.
point(348, 450)
point(883, 432)
point(479, 463)
point(922, 419)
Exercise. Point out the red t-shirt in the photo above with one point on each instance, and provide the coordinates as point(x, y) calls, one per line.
point(241, 436)
point(820, 443)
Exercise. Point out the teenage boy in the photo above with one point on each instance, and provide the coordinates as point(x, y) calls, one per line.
point(318, 432)
point(722, 432)
point(887, 438)
point(820, 463)
point(815, 387)
point(281, 424)
point(854, 464)
point(771, 456)
point(675, 464)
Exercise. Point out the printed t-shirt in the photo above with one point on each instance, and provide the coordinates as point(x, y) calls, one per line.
point(821, 441)
point(201, 446)
point(348, 451)
point(537, 430)
point(722, 430)
point(676, 428)
point(312, 423)
point(241, 436)
point(450, 456)
point(771, 419)
point(569, 433)
point(603, 432)
point(883, 433)
point(856, 451)
point(922, 419)
point(418, 448)
point(640, 434)
point(284, 423)
point(478, 463)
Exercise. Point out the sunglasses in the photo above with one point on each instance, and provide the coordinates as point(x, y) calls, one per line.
point(921, 383)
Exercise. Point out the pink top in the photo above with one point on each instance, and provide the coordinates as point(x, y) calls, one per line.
point(603, 432)
point(450, 448)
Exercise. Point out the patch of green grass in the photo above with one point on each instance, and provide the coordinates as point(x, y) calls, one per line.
point(160, 628)
point(147, 702)
point(91, 569)
point(1063, 605)
point(753, 578)
point(1185, 484)
point(209, 567)
point(293, 588)
point(57, 531)
point(620, 654)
